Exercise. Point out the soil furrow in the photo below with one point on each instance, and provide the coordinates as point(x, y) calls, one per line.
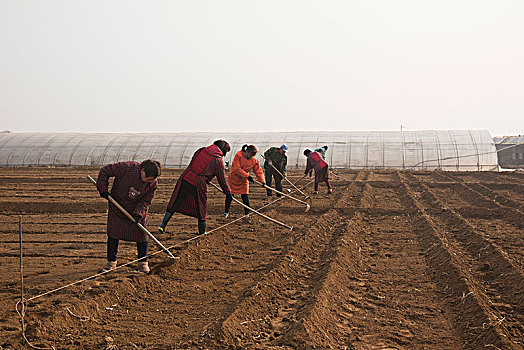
point(376, 257)
point(493, 277)
point(464, 304)
point(476, 193)
point(420, 260)
point(285, 291)
point(501, 199)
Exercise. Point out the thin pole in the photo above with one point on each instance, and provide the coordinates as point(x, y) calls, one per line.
point(285, 195)
point(140, 226)
point(331, 171)
point(21, 277)
point(255, 211)
point(285, 178)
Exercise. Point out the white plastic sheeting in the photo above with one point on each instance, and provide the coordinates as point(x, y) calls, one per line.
point(446, 150)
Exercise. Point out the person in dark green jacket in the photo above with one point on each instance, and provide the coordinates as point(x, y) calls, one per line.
point(275, 157)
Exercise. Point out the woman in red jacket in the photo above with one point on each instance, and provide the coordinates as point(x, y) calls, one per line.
point(190, 194)
point(316, 161)
point(239, 177)
point(133, 188)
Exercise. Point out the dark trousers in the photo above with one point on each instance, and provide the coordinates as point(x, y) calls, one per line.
point(278, 181)
point(188, 189)
point(245, 200)
point(322, 175)
point(328, 184)
point(112, 249)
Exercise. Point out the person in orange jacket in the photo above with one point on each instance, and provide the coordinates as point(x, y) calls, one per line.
point(239, 178)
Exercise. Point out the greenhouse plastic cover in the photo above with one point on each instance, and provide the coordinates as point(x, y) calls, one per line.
point(447, 150)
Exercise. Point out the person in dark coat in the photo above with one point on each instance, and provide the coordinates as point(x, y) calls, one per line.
point(190, 194)
point(275, 157)
point(133, 188)
point(317, 163)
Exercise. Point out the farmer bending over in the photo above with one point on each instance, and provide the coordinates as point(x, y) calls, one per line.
point(190, 194)
point(322, 151)
point(316, 162)
point(133, 188)
point(275, 159)
point(239, 177)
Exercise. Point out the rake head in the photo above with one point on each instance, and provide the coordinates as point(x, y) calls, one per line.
point(154, 270)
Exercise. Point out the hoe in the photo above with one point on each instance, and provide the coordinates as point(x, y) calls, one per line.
point(256, 211)
point(286, 195)
point(292, 184)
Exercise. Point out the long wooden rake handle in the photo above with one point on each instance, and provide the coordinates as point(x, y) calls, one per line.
point(292, 184)
point(285, 195)
point(331, 171)
point(130, 217)
point(303, 177)
point(255, 211)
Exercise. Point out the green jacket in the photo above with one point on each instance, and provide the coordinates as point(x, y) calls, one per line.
point(279, 160)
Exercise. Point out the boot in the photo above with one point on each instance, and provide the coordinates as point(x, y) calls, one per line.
point(110, 265)
point(246, 219)
point(165, 220)
point(143, 267)
point(201, 227)
point(330, 191)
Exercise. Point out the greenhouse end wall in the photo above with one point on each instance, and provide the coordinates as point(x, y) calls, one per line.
point(454, 150)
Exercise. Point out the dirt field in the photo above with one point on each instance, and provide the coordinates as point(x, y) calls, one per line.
point(390, 260)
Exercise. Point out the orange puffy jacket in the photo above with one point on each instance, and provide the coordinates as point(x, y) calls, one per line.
point(239, 173)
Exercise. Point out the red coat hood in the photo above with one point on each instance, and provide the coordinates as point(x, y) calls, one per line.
point(214, 150)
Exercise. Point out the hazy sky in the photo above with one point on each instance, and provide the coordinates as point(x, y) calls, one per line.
point(155, 66)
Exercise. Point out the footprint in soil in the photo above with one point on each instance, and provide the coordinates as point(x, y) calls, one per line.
point(485, 267)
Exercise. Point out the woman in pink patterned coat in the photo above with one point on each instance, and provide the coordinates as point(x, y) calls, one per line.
point(316, 162)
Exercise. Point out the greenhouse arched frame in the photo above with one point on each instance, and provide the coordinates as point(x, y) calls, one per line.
point(454, 150)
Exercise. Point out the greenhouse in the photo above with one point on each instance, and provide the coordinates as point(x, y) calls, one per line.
point(454, 150)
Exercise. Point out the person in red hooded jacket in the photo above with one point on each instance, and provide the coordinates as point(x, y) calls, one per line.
point(190, 194)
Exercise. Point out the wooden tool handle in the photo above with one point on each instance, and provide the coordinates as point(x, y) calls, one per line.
point(130, 217)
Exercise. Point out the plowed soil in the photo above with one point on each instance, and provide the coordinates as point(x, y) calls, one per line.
point(390, 260)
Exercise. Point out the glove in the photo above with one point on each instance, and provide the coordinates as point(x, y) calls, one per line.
point(250, 179)
point(104, 195)
point(270, 163)
point(263, 185)
point(138, 219)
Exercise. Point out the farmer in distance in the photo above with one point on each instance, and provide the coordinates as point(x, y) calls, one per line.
point(322, 151)
point(133, 188)
point(239, 177)
point(275, 166)
point(190, 194)
point(317, 163)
